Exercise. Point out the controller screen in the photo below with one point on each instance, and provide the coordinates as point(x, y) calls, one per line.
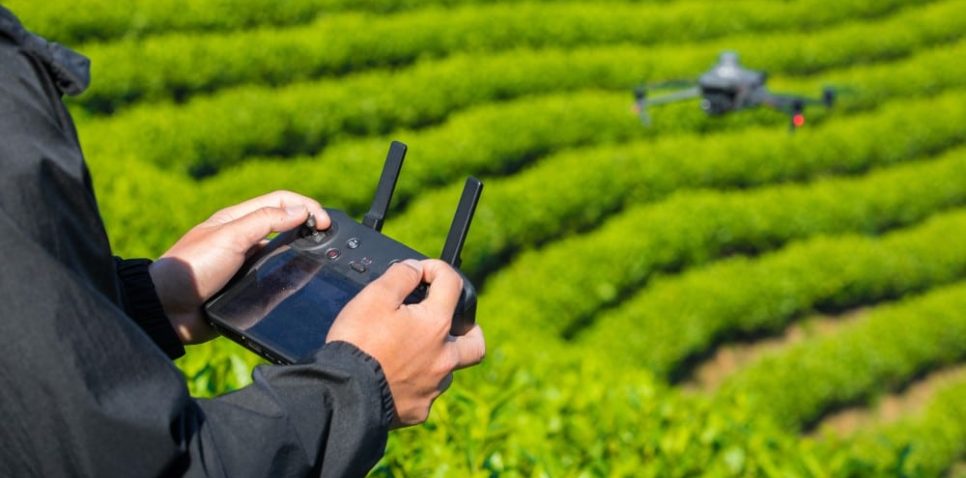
point(289, 302)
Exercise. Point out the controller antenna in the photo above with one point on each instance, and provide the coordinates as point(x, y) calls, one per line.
point(387, 183)
point(461, 221)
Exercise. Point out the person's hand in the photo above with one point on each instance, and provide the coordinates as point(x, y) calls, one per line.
point(206, 258)
point(411, 341)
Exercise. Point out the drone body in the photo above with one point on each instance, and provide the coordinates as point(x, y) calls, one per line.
point(728, 87)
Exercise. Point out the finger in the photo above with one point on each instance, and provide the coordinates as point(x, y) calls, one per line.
point(250, 229)
point(469, 349)
point(276, 199)
point(256, 249)
point(445, 287)
point(394, 285)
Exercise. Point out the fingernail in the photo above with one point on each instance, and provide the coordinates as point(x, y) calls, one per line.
point(414, 264)
point(295, 210)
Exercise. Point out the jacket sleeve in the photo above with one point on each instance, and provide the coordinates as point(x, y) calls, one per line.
point(141, 303)
point(83, 390)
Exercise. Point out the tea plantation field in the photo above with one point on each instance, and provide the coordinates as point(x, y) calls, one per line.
point(704, 296)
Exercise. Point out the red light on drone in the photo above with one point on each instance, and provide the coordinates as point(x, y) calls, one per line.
point(798, 120)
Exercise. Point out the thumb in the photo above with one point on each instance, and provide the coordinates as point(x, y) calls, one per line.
point(249, 230)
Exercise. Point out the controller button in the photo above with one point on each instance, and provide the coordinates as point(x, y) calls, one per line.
point(352, 243)
point(333, 254)
point(358, 267)
point(366, 261)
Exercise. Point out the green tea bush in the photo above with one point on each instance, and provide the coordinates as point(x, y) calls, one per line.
point(207, 134)
point(73, 21)
point(676, 319)
point(492, 139)
point(531, 207)
point(558, 417)
point(576, 189)
point(885, 347)
point(697, 227)
point(923, 445)
point(500, 139)
point(178, 64)
point(579, 417)
point(504, 222)
point(144, 208)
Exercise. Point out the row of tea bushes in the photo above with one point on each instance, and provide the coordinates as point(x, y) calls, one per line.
point(930, 125)
point(560, 412)
point(677, 319)
point(490, 140)
point(500, 139)
point(210, 133)
point(884, 348)
point(576, 415)
point(548, 291)
point(926, 444)
point(575, 190)
point(75, 21)
point(571, 415)
point(178, 64)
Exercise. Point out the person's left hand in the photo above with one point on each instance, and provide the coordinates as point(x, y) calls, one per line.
point(206, 258)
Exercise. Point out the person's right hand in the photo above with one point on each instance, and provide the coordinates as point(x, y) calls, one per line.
point(411, 341)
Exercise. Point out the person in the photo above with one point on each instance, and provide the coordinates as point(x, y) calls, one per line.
point(87, 386)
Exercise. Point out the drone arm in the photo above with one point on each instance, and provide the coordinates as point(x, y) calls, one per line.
point(671, 85)
point(788, 103)
point(641, 101)
point(640, 105)
point(682, 95)
point(793, 106)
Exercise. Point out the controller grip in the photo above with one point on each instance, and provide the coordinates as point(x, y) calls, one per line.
point(465, 316)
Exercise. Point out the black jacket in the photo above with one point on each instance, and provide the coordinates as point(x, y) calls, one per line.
point(86, 387)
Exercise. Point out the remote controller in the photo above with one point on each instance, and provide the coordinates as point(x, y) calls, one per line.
point(282, 303)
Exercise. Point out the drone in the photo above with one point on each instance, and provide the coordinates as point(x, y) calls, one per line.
point(728, 87)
